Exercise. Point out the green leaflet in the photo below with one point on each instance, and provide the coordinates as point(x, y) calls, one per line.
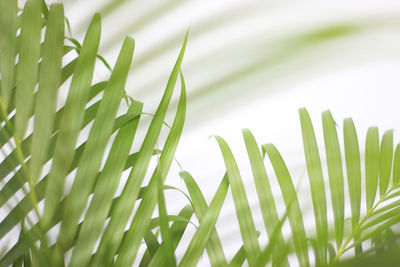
point(72, 119)
point(353, 167)
point(21, 247)
point(243, 212)
point(265, 196)
point(130, 245)
point(335, 171)
point(104, 190)
point(177, 230)
point(8, 48)
point(214, 247)
point(290, 197)
point(207, 224)
point(113, 234)
point(100, 132)
point(316, 181)
point(385, 161)
point(151, 243)
point(28, 59)
point(52, 53)
point(167, 250)
point(396, 166)
point(273, 244)
point(371, 165)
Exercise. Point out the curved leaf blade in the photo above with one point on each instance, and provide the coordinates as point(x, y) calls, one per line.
point(27, 68)
point(52, 54)
point(316, 181)
point(265, 196)
point(385, 161)
point(207, 224)
point(371, 165)
point(8, 47)
point(92, 156)
point(72, 119)
point(103, 193)
point(335, 172)
point(291, 201)
point(396, 166)
point(214, 247)
point(243, 212)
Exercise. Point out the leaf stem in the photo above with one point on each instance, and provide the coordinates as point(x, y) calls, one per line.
point(357, 229)
point(20, 157)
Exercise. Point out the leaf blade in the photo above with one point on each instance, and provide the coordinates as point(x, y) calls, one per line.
point(335, 172)
point(316, 181)
point(371, 165)
point(265, 196)
point(243, 212)
point(385, 161)
point(72, 118)
point(52, 54)
point(27, 68)
point(291, 201)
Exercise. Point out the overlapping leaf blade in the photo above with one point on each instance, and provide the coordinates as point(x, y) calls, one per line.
point(207, 224)
point(89, 164)
point(265, 196)
point(177, 230)
point(130, 245)
point(72, 118)
point(214, 247)
point(104, 190)
point(243, 212)
point(291, 200)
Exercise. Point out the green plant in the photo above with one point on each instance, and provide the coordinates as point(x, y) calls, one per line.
point(54, 137)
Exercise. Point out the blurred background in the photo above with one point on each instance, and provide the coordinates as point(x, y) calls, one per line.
point(252, 64)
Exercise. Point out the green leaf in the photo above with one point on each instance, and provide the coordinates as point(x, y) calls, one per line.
point(92, 156)
point(265, 196)
point(207, 224)
point(52, 53)
point(28, 62)
point(239, 258)
point(353, 168)
point(396, 166)
point(177, 230)
point(290, 198)
point(151, 242)
point(21, 247)
point(167, 249)
point(214, 247)
point(8, 47)
point(243, 212)
point(130, 245)
point(316, 180)
point(5, 168)
point(106, 185)
point(381, 218)
point(335, 171)
point(371, 165)
point(385, 161)
point(273, 244)
point(72, 119)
